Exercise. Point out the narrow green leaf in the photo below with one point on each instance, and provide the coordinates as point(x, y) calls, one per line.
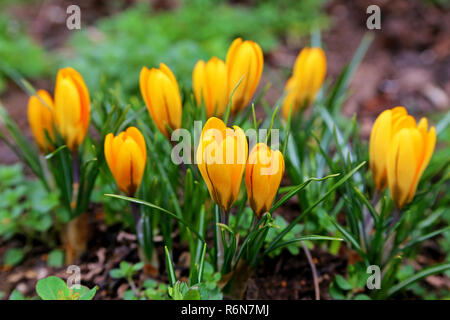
point(55, 152)
point(201, 266)
point(418, 276)
point(170, 267)
point(315, 204)
point(296, 189)
point(366, 201)
point(423, 238)
point(304, 238)
point(348, 236)
point(167, 212)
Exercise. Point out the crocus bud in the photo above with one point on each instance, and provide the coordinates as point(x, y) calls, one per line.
point(221, 158)
point(160, 91)
point(72, 108)
point(263, 174)
point(40, 118)
point(126, 155)
point(210, 86)
point(307, 77)
point(407, 157)
point(244, 60)
point(387, 124)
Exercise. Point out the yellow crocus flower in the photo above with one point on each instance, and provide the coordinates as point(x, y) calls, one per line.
point(72, 107)
point(263, 174)
point(221, 158)
point(307, 78)
point(159, 89)
point(407, 157)
point(244, 60)
point(40, 118)
point(126, 155)
point(387, 124)
point(210, 86)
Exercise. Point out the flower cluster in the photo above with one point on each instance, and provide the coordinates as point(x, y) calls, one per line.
point(68, 114)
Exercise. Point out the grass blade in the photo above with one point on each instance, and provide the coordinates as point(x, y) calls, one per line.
point(315, 204)
point(311, 237)
point(418, 276)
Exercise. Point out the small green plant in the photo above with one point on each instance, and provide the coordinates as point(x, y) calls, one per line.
point(54, 288)
point(127, 271)
point(353, 287)
point(203, 283)
point(16, 295)
point(150, 289)
point(26, 209)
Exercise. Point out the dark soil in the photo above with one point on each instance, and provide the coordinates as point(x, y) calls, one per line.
point(286, 277)
point(290, 277)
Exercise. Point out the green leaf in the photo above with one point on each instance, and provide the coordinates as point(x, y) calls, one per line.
point(423, 238)
point(151, 205)
point(23, 147)
point(55, 152)
point(202, 263)
point(116, 274)
point(56, 258)
point(85, 293)
point(13, 257)
point(305, 238)
point(126, 268)
point(296, 189)
point(315, 204)
point(52, 288)
point(342, 282)
point(418, 276)
point(138, 266)
point(170, 267)
point(335, 292)
point(366, 201)
point(348, 237)
point(16, 295)
point(192, 294)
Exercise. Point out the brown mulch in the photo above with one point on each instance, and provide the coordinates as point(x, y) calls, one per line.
point(108, 246)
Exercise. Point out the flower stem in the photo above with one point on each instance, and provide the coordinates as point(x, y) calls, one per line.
point(136, 216)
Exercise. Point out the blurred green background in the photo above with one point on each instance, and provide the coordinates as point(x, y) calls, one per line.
point(116, 47)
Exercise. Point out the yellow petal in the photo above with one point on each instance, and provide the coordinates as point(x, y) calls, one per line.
point(161, 95)
point(428, 145)
point(380, 139)
point(40, 118)
point(72, 107)
point(198, 81)
point(137, 136)
point(402, 165)
point(244, 63)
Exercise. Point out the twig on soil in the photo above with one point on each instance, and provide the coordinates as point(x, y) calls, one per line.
point(314, 271)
